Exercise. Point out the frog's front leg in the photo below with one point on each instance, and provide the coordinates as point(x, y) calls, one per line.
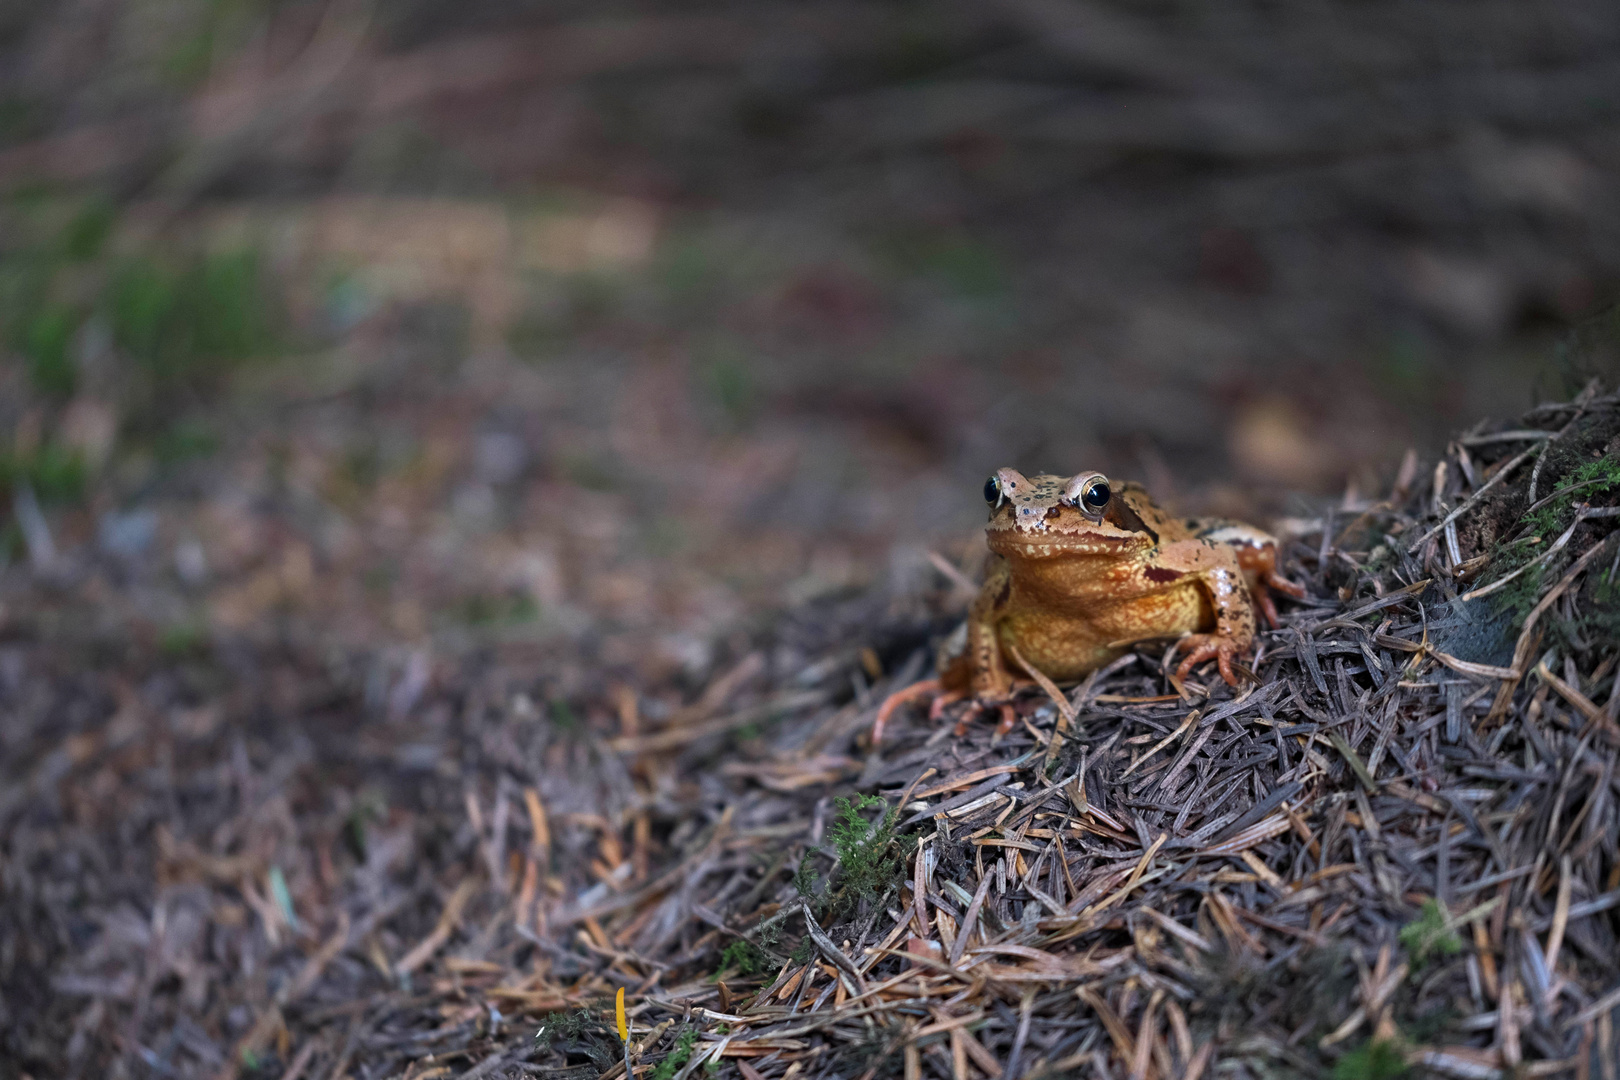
point(991, 683)
point(1219, 574)
point(979, 669)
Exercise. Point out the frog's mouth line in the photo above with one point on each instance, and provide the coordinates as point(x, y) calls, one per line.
point(1050, 544)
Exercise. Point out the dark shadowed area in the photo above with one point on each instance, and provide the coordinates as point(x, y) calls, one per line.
point(468, 473)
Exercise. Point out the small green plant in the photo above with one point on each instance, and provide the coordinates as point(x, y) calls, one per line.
point(1601, 621)
point(870, 854)
point(1588, 480)
point(1430, 935)
point(677, 1058)
point(214, 28)
point(744, 957)
point(967, 266)
point(87, 231)
point(1381, 1059)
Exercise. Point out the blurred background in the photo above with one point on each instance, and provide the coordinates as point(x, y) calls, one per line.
point(617, 324)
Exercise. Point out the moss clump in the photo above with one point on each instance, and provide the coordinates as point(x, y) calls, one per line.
point(1430, 935)
point(1580, 478)
point(1582, 483)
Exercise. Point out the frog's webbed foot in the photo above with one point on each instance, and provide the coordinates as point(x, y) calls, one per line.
point(1274, 580)
point(1267, 581)
point(917, 691)
point(1257, 555)
point(980, 706)
point(1225, 651)
point(1267, 606)
point(943, 699)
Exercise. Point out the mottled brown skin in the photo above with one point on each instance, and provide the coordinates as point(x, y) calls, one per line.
point(1082, 570)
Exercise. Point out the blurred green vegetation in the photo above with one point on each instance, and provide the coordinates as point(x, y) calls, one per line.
point(728, 380)
point(187, 321)
point(212, 28)
point(968, 267)
point(184, 640)
point(497, 610)
point(57, 474)
point(150, 330)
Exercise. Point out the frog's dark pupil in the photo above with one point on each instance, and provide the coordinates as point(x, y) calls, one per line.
point(1096, 496)
point(992, 490)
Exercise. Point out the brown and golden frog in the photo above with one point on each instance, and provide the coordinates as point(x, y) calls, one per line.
point(1082, 569)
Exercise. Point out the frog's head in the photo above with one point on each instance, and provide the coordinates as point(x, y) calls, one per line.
point(1046, 516)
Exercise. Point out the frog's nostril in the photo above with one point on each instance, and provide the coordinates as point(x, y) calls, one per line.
point(1051, 512)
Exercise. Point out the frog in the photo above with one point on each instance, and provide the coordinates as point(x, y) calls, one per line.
point(1081, 570)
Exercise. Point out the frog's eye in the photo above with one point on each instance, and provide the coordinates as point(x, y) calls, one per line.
point(1095, 495)
point(992, 491)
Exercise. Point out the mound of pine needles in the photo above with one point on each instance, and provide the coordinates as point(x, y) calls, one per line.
point(1396, 850)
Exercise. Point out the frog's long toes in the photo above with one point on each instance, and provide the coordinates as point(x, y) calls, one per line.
point(941, 703)
point(1268, 608)
point(897, 699)
point(1202, 649)
point(1009, 719)
point(1283, 585)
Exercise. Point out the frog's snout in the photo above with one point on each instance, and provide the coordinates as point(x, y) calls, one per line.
point(1031, 517)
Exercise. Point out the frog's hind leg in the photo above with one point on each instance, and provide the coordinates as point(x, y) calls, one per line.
point(1257, 557)
point(1216, 569)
